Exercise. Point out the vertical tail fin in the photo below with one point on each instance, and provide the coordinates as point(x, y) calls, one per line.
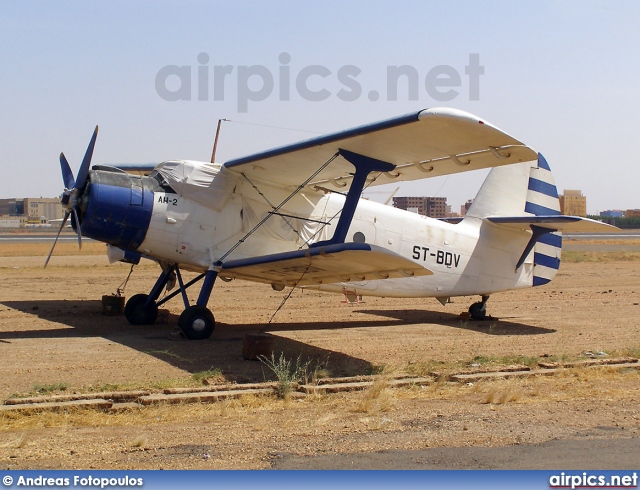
point(542, 200)
point(524, 189)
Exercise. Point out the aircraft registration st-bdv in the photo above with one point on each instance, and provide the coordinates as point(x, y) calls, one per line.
point(293, 217)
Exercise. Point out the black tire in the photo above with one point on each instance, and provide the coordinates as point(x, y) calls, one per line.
point(136, 313)
point(197, 323)
point(478, 311)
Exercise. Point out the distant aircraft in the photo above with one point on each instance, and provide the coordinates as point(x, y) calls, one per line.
point(292, 217)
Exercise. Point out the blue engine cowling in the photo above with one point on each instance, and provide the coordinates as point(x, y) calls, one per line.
point(116, 208)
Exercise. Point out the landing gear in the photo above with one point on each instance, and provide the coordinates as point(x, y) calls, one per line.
point(140, 311)
point(197, 323)
point(478, 311)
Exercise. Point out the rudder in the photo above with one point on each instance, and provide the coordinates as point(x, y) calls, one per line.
point(542, 200)
point(524, 189)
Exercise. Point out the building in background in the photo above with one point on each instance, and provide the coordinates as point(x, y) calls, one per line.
point(43, 207)
point(16, 207)
point(434, 207)
point(632, 213)
point(612, 213)
point(7, 221)
point(573, 203)
point(5, 204)
point(29, 211)
point(465, 207)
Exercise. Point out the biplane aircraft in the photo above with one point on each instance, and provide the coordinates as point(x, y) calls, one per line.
point(293, 217)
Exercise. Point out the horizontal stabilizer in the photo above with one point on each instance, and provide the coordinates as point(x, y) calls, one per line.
point(344, 262)
point(573, 224)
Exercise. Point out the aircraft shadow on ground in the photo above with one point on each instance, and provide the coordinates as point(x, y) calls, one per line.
point(490, 326)
point(84, 318)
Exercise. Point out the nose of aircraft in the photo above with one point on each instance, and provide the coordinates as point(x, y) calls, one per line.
point(73, 190)
point(117, 208)
point(107, 205)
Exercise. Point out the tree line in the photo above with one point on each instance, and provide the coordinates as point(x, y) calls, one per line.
point(632, 222)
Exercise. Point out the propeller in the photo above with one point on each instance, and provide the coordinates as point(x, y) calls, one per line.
point(73, 189)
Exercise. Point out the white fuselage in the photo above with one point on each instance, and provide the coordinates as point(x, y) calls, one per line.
point(468, 258)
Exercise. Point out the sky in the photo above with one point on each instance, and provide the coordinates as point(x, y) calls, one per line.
point(560, 76)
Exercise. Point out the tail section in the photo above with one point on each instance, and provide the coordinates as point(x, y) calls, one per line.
point(542, 200)
point(524, 196)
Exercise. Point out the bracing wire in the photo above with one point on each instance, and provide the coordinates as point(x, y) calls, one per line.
point(278, 207)
point(269, 202)
point(121, 288)
point(284, 300)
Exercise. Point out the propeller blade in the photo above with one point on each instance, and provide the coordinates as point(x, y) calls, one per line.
point(81, 179)
point(67, 174)
point(64, 222)
point(78, 231)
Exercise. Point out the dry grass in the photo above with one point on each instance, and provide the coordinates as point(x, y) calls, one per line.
point(141, 441)
point(500, 395)
point(41, 249)
point(577, 257)
point(83, 417)
point(262, 413)
point(378, 398)
point(629, 241)
point(17, 442)
point(568, 384)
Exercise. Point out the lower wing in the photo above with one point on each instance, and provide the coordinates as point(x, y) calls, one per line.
point(345, 262)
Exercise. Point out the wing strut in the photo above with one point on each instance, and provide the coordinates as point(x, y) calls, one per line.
point(364, 166)
point(537, 232)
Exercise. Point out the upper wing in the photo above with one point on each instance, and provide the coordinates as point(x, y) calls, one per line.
point(428, 143)
point(130, 168)
point(344, 262)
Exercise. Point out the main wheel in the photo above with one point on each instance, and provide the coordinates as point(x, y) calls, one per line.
point(136, 312)
point(478, 311)
point(197, 323)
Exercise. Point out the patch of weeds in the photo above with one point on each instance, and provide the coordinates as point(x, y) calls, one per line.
point(426, 368)
point(48, 389)
point(375, 370)
point(289, 372)
point(530, 361)
point(106, 387)
point(482, 360)
point(633, 352)
point(211, 373)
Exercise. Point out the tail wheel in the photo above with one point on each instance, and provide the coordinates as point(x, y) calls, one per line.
point(197, 323)
point(137, 312)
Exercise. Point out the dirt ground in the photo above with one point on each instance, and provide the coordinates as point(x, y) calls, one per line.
point(52, 334)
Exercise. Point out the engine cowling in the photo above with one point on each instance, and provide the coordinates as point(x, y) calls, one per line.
point(116, 208)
